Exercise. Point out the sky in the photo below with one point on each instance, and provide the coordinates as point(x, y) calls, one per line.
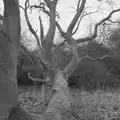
point(66, 10)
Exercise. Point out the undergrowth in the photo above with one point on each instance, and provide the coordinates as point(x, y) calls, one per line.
point(84, 105)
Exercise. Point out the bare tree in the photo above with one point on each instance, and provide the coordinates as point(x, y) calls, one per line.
point(59, 77)
point(10, 40)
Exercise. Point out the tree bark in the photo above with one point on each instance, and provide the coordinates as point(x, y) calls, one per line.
point(10, 39)
point(59, 98)
point(9, 46)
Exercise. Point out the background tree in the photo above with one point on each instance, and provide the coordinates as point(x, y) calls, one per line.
point(114, 40)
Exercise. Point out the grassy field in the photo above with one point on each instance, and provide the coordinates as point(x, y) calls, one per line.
point(84, 105)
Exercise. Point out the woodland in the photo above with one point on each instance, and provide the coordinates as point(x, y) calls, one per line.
point(77, 78)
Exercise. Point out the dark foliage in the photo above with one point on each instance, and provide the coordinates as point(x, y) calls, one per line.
point(23, 80)
point(89, 73)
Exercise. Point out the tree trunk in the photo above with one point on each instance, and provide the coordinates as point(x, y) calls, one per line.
point(8, 85)
point(59, 98)
point(10, 39)
point(9, 103)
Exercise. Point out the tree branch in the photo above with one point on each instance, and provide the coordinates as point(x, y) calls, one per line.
point(75, 58)
point(32, 60)
point(1, 17)
point(51, 31)
point(28, 22)
point(60, 29)
point(30, 57)
point(78, 5)
point(35, 79)
point(41, 32)
point(48, 2)
point(41, 7)
point(84, 14)
point(33, 32)
point(76, 17)
point(113, 21)
point(90, 38)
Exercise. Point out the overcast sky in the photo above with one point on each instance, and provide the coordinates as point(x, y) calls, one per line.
point(66, 11)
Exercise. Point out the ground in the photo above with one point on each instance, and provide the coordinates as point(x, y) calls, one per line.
point(96, 105)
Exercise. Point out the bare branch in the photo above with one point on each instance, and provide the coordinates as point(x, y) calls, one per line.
point(48, 2)
point(32, 59)
point(85, 57)
point(24, 51)
point(34, 33)
point(113, 21)
point(28, 22)
point(78, 5)
point(76, 17)
point(41, 7)
point(1, 17)
point(21, 7)
point(96, 27)
point(41, 31)
point(111, 3)
point(84, 15)
point(48, 40)
point(75, 58)
point(60, 29)
point(63, 34)
point(72, 42)
point(35, 79)
point(78, 24)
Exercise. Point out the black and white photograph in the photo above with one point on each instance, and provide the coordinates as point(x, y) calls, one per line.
point(59, 59)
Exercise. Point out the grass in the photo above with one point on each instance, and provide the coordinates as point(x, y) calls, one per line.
point(84, 105)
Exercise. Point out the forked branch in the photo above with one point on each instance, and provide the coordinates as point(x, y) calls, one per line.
point(28, 22)
point(42, 6)
point(84, 14)
point(76, 17)
point(90, 38)
point(48, 42)
point(34, 33)
point(75, 58)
